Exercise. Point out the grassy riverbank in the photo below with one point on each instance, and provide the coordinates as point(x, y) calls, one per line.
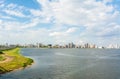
point(12, 59)
point(2, 58)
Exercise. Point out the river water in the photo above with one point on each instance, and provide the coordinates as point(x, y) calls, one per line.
point(69, 64)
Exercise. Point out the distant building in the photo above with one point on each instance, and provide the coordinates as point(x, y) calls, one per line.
point(87, 45)
point(50, 45)
point(39, 45)
point(71, 45)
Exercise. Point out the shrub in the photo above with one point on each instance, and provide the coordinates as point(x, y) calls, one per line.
point(1, 52)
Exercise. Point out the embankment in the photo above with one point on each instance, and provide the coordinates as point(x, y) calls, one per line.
point(12, 59)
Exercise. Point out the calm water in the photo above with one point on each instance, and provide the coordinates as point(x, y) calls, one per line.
point(69, 64)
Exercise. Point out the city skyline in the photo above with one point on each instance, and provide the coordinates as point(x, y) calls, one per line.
point(66, 45)
point(60, 21)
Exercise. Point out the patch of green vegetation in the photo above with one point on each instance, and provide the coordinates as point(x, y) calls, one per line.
point(17, 60)
point(2, 58)
point(1, 52)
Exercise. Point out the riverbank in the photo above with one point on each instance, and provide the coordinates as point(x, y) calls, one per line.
point(12, 60)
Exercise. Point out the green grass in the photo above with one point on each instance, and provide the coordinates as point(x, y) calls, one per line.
point(17, 61)
point(2, 58)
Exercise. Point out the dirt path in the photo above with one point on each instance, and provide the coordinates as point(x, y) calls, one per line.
point(7, 59)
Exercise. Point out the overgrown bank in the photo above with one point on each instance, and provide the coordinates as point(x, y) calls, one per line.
point(12, 59)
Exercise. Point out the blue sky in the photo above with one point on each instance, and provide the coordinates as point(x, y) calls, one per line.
point(60, 21)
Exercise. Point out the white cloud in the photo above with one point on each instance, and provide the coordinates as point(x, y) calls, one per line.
point(81, 12)
point(7, 17)
point(106, 1)
point(63, 32)
point(36, 12)
point(57, 34)
point(113, 30)
point(63, 36)
point(25, 36)
point(14, 10)
point(32, 23)
point(0, 22)
point(93, 19)
point(71, 30)
point(15, 13)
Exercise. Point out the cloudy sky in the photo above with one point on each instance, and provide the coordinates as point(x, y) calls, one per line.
point(60, 21)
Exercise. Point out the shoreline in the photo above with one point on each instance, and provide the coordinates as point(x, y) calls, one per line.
point(21, 68)
point(18, 62)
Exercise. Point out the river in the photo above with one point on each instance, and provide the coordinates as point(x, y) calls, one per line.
point(69, 64)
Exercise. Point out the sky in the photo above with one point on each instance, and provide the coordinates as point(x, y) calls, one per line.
point(60, 21)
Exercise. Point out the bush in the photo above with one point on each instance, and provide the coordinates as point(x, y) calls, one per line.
point(1, 52)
